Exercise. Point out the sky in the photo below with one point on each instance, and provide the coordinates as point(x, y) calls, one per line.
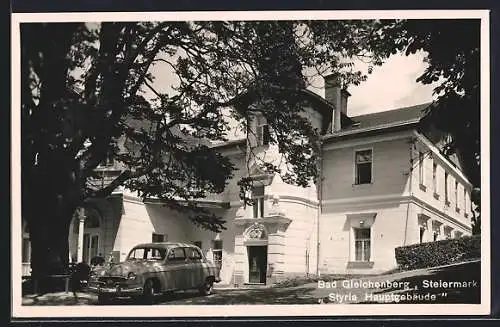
point(391, 86)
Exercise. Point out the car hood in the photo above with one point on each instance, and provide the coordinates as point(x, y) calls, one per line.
point(126, 267)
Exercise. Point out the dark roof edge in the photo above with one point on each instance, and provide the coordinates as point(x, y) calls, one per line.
point(371, 131)
point(201, 203)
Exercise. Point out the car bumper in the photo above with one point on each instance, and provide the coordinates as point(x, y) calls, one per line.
point(118, 291)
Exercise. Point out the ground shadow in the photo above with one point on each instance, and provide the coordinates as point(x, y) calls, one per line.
point(466, 290)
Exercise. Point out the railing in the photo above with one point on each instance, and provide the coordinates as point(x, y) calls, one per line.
point(272, 211)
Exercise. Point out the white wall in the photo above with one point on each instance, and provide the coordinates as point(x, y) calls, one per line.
point(390, 168)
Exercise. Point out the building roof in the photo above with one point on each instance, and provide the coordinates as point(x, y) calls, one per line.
point(396, 118)
point(400, 115)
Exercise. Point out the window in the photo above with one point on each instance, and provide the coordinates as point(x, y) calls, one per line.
point(435, 236)
point(434, 177)
point(446, 199)
point(422, 233)
point(456, 195)
point(156, 238)
point(362, 244)
point(258, 201)
point(447, 232)
point(262, 134)
point(363, 167)
point(465, 201)
point(421, 168)
point(193, 254)
point(176, 254)
point(217, 252)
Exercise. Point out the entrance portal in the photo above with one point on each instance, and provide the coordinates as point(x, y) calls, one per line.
point(257, 264)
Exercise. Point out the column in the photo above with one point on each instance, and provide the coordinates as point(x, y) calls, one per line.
point(81, 227)
point(275, 256)
point(240, 255)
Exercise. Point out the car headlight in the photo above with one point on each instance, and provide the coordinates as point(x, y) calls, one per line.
point(131, 276)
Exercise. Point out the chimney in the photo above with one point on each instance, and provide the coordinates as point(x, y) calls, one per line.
point(337, 97)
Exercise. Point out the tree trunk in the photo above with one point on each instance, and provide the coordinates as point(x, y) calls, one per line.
point(51, 196)
point(49, 231)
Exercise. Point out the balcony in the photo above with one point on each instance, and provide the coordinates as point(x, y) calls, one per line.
point(271, 213)
point(104, 177)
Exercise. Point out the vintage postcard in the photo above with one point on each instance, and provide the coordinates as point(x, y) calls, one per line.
point(250, 164)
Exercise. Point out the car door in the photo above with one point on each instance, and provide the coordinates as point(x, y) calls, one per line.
point(176, 266)
point(195, 267)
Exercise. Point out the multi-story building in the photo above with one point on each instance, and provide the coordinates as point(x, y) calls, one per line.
point(383, 184)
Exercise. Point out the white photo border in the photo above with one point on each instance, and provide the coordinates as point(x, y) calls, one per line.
point(193, 311)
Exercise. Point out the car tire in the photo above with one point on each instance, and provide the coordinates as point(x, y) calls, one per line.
point(148, 294)
point(207, 288)
point(103, 299)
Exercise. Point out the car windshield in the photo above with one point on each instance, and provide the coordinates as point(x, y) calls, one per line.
point(146, 253)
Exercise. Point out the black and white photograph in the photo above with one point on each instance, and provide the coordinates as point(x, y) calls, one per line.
point(250, 164)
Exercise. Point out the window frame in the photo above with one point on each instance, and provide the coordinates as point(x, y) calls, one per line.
point(421, 168)
point(164, 237)
point(355, 166)
point(446, 187)
point(421, 231)
point(262, 130)
point(434, 177)
point(258, 207)
point(363, 245)
point(217, 252)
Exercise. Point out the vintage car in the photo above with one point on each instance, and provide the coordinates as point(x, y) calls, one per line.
point(155, 268)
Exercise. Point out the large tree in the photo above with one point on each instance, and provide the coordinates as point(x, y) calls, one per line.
point(452, 53)
point(88, 94)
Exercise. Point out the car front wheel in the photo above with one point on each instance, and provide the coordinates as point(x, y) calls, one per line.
point(208, 287)
point(148, 294)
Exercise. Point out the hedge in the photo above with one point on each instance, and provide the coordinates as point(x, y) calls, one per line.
point(438, 253)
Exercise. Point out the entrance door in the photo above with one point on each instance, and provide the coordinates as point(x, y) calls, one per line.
point(257, 263)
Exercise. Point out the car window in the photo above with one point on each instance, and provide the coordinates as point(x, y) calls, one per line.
point(136, 254)
point(147, 253)
point(155, 254)
point(176, 254)
point(193, 253)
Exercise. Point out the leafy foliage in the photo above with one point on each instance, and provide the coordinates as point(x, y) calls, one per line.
point(439, 253)
point(89, 96)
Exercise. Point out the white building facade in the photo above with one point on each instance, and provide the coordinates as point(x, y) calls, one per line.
point(383, 184)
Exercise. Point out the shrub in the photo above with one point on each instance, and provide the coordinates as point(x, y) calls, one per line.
point(438, 253)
